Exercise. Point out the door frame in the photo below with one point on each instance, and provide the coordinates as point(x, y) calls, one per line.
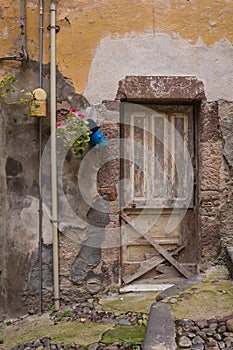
point(147, 90)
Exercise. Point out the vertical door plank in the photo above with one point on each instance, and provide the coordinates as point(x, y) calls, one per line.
point(139, 178)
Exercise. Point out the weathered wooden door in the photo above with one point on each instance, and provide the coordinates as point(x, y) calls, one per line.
point(157, 195)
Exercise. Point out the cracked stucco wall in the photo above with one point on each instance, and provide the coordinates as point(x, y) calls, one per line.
point(99, 28)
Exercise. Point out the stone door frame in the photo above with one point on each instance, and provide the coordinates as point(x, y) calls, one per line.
point(183, 89)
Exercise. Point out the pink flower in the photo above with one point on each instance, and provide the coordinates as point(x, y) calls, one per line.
point(80, 116)
point(59, 125)
point(73, 111)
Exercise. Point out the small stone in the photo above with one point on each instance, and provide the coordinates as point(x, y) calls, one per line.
point(194, 329)
point(185, 342)
point(93, 346)
point(202, 324)
point(190, 334)
point(20, 347)
point(125, 322)
point(197, 346)
point(117, 343)
point(45, 341)
point(210, 334)
point(228, 334)
point(213, 326)
point(212, 342)
point(28, 345)
point(221, 329)
point(228, 341)
point(221, 345)
point(217, 336)
point(180, 330)
point(198, 340)
point(187, 327)
point(133, 319)
point(184, 295)
point(106, 320)
point(37, 343)
point(183, 322)
point(211, 320)
point(215, 280)
point(202, 335)
point(229, 325)
point(173, 300)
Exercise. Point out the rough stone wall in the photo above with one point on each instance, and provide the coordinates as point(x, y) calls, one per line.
point(210, 160)
point(215, 180)
point(226, 183)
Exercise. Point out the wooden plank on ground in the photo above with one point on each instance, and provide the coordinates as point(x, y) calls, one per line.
point(148, 265)
point(161, 250)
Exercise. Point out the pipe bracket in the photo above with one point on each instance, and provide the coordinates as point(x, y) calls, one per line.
point(54, 27)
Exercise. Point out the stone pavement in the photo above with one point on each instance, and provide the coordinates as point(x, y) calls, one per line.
point(196, 314)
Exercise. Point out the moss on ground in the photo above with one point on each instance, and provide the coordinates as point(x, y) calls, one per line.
point(65, 332)
point(134, 302)
point(124, 333)
point(210, 298)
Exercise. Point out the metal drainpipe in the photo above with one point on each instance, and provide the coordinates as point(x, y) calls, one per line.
point(53, 152)
point(40, 210)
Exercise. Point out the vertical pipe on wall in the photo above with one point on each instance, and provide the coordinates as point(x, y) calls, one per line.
point(22, 26)
point(53, 151)
point(40, 242)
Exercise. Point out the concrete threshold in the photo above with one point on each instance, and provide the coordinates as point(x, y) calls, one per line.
point(145, 287)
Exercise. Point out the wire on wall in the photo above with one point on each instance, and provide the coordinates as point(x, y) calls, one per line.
point(22, 56)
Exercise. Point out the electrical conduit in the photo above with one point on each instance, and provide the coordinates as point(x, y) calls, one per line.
point(53, 152)
point(40, 210)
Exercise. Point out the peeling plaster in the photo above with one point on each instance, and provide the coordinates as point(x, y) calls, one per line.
point(29, 218)
point(160, 55)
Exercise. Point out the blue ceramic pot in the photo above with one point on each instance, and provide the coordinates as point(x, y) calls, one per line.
point(97, 138)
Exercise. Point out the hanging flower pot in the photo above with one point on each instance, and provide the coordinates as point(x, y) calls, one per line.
point(96, 136)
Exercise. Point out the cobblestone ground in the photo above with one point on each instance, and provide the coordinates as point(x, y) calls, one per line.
point(85, 313)
point(204, 334)
point(210, 334)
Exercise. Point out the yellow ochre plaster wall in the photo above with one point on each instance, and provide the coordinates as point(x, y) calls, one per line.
point(84, 23)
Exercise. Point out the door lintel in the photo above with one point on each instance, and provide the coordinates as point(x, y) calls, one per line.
point(156, 88)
